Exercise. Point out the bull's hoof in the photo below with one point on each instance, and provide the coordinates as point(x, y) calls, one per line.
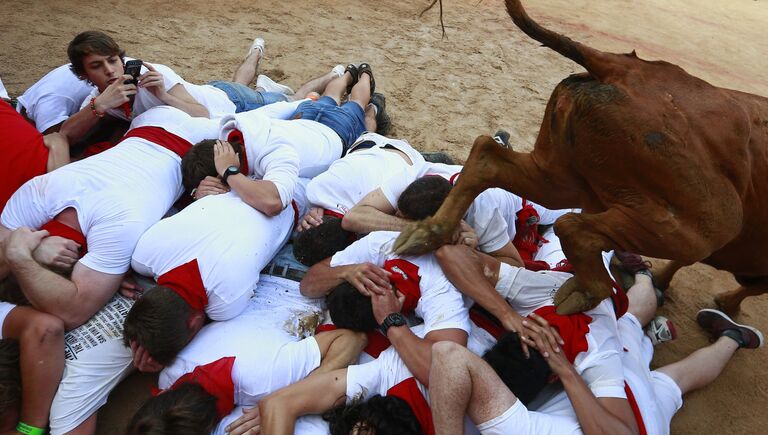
point(421, 237)
point(570, 298)
point(727, 305)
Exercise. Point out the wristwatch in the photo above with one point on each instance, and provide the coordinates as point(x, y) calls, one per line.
point(232, 170)
point(394, 319)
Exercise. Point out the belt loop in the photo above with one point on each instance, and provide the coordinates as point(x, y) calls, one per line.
point(285, 271)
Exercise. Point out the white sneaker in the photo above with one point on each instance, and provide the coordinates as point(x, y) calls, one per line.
point(258, 44)
point(338, 70)
point(3, 91)
point(270, 85)
point(660, 330)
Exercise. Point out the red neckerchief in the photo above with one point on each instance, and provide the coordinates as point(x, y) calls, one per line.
point(332, 213)
point(238, 135)
point(98, 147)
point(216, 380)
point(482, 320)
point(573, 329)
point(527, 237)
point(405, 277)
point(377, 342)
point(619, 299)
point(635, 410)
point(453, 178)
point(161, 137)
point(56, 228)
point(409, 391)
point(127, 108)
point(186, 281)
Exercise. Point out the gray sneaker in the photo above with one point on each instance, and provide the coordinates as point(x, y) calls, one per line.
point(718, 324)
point(383, 121)
point(502, 137)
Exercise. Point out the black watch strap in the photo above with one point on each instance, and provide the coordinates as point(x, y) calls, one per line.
point(394, 319)
point(232, 170)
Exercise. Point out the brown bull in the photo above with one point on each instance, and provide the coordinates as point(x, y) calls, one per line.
point(662, 163)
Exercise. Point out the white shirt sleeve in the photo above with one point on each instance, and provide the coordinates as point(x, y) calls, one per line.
point(53, 109)
point(441, 305)
point(370, 249)
point(364, 380)
point(281, 166)
point(396, 185)
point(490, 226)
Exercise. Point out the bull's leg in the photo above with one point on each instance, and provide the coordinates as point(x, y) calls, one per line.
point(730, 302)
point(489, 165)
point(664, 276)
point(584, 237)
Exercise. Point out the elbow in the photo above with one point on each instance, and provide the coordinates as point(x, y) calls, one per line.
point(350, 221)
point(73, 320)
point(273, 208)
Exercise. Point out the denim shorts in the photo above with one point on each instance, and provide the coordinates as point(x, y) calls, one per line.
point(245, 98)
point(347, 120)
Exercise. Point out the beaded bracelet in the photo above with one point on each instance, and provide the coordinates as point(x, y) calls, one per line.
point(28, 429)
point(93, 108)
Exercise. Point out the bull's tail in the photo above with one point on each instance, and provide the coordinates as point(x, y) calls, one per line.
point(597, 63)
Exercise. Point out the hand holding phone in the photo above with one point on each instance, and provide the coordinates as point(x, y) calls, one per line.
point(133, 68)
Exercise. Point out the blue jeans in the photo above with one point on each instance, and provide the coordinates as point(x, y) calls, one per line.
point(347, 120)
point(245, 98)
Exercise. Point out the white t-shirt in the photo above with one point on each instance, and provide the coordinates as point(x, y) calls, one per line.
point(441, 306)
point(117, 194)
point(231, 241)
point(281, 150)
point(55, 97)
point(214, 99)
point(96, 361)
point(349, 179)
point(396, 185)
point(5, 310)
point(274, 356)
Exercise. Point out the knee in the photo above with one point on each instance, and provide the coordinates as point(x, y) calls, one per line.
point(44, 329)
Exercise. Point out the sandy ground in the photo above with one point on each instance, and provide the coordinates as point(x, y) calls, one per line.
point(442, 93)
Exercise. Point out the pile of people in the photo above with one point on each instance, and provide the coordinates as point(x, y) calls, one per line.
point(238, 241)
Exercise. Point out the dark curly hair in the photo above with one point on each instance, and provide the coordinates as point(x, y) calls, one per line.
point(422, 198)
point(349, 309)
point(525, 377)
point(318, 243)
point(188, 410)
point(380, 415)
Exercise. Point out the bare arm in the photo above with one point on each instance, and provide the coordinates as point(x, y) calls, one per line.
point(58, 150)
point(79, 124)
point(259, 194)
point(73, 301)
point(177, 96)
point(508, 254)
point(415, 351)
point(314, 395)
point(373, 213)
point(338, 349)
point(322, 278)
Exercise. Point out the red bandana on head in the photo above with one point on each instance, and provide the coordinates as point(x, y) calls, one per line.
point(405, 277)
point(409, 391)
point(527, 237)
point(56, 228)
point(216, 379)
point(573, 329)
point(186, 281)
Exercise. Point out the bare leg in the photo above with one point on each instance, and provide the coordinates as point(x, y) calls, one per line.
point(642, 299)
point(317, 84)
point(361, 92)
point(41, 346)
point(370, 118)
point(337, 87)
point(246, 72)
point(700, 368)
point(461, 383)
point(339, 349)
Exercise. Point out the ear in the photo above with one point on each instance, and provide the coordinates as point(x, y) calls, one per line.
point(196, 321)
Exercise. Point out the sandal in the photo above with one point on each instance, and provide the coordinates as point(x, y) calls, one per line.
point(364, 68)
point(352, 70)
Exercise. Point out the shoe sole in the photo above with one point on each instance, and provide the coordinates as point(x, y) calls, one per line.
point(722, 315)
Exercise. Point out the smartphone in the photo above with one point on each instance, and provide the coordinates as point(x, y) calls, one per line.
point(133, 68)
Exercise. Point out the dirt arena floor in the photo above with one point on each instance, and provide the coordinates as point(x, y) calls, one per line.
point(441, 93)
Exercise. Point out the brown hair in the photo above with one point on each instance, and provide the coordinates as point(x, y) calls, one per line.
point(198, 163)
point(158, 323)
point(188, 410)
point(90, 42)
